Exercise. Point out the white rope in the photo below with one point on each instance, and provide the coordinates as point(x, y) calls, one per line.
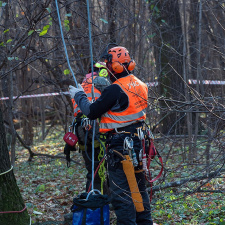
point(6, 171)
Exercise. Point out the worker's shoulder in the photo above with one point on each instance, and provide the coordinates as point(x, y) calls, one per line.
point(101, 81)
point(113, 89)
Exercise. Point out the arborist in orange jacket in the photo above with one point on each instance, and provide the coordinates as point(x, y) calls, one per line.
point(122, 112)
point(82, 124)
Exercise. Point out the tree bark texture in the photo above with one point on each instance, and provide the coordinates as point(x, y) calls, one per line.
point(168, 64)
point(10, 197)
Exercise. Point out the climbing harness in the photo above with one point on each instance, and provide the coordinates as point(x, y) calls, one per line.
point(152, 152)
point(147, 158)
point(150, 155)
point(145, 155)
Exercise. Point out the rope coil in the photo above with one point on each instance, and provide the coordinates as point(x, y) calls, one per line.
point(6, 171)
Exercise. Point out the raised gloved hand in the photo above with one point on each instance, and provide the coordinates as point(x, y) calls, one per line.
point(73, 90)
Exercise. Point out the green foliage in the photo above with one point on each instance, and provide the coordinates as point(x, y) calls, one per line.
point(49, 10)
point(46, 181)
point(195, 209)
point(67, 24)
point(103, 20)
point(44, 30)
point(152, 35)
point(30, 32)
point(155, 10)
point(66, 71)
point(40, 188)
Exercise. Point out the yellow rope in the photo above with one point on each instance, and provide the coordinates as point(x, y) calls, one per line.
point(101, 170)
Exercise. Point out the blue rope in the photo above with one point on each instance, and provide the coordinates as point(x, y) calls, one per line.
point(93, 98)
point(64, 44)
point(92, 69)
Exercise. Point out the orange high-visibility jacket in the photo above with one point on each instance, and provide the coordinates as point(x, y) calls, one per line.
point(137, 93)
point(87, 86)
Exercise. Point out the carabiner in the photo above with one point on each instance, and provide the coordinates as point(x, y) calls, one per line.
point(128, 143)
point(140, 133)
point(150, 134)
point(86, 123)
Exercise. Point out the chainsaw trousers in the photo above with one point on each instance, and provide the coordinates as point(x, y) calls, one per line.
point(122, 201)
point(120, 192)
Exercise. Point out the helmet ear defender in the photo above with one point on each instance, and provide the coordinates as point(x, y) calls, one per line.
point(131, 65)
point(103, 73)
point(117, 67)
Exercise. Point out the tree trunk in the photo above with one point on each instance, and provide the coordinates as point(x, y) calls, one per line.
point(9, 89)
point(185, 21)
point(168, 63)
point(10, 197)
point(112, 20)
point(27, 117)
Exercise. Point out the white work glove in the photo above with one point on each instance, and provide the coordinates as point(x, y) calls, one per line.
point(73, 90)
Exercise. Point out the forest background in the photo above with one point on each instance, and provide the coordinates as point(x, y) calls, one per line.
point(179, 49)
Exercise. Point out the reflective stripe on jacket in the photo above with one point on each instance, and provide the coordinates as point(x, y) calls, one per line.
point(137, 93)
point(87, 86)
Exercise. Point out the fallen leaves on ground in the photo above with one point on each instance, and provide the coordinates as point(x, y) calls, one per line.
point(47, 185)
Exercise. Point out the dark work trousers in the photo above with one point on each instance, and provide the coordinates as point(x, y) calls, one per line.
point(120, 191)
point(88, 165)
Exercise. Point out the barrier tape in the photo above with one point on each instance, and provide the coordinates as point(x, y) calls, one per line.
point(152, 84)
point(149, 84)
point(37, 95)
point(217, 82)
point(191, 81)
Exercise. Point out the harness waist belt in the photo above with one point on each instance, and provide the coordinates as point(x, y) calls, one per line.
point(131, 128)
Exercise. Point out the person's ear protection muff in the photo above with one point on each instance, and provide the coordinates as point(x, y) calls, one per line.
point(117, 67)
point(131, 65)
point(103, 73)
